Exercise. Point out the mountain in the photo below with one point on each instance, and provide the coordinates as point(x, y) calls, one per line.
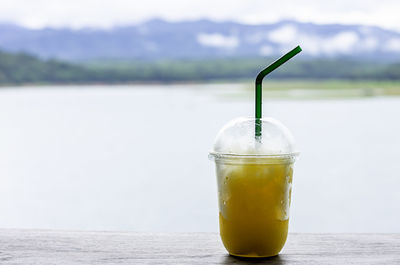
point(159, 39)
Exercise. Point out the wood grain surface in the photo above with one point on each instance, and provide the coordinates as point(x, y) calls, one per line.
point(75, 247)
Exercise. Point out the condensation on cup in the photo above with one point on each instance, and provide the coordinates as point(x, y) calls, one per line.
point(254, 176)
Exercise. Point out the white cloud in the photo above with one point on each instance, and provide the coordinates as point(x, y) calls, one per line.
point(217, 40)
point(255, 38)
point(284, 34)
point(288, 36)
point(393, 45)
point(311, 44)
point(266, 50)
point(369, 43)
point(342, 43)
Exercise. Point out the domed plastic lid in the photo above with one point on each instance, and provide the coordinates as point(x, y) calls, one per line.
point(236, 140)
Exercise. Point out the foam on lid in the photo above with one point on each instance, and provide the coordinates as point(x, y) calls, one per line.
point(237, 137)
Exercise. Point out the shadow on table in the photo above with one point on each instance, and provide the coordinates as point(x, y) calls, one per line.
point(228, 259)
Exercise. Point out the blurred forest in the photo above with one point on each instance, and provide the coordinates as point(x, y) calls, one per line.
point(21, 68)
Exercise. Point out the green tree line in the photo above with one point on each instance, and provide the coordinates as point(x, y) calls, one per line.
point(20, 68)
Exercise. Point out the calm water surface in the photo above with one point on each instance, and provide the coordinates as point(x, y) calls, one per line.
point(135, 158)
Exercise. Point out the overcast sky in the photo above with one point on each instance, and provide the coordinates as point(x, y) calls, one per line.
point(106, 13)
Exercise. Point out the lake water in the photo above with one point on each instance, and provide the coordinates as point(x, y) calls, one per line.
point(135, 158)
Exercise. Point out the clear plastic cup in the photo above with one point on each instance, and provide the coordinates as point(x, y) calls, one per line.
point(254, 177)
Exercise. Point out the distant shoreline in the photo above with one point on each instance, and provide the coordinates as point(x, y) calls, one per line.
point(328, 83)
point(288, 89)
point(139, 83)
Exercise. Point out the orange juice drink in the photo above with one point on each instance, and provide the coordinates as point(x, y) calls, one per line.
point(254, 204)
point(254, 177)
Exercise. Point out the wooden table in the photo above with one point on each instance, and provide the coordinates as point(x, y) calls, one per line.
point(72, 247)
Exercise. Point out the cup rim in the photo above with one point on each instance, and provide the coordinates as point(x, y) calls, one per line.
point(253, 158)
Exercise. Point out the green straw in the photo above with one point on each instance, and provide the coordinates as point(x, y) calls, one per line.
point(259, 80)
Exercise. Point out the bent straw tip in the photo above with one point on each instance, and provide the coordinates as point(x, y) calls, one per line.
point(298, 48)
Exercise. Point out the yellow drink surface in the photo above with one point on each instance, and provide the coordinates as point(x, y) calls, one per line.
point(254, 204)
